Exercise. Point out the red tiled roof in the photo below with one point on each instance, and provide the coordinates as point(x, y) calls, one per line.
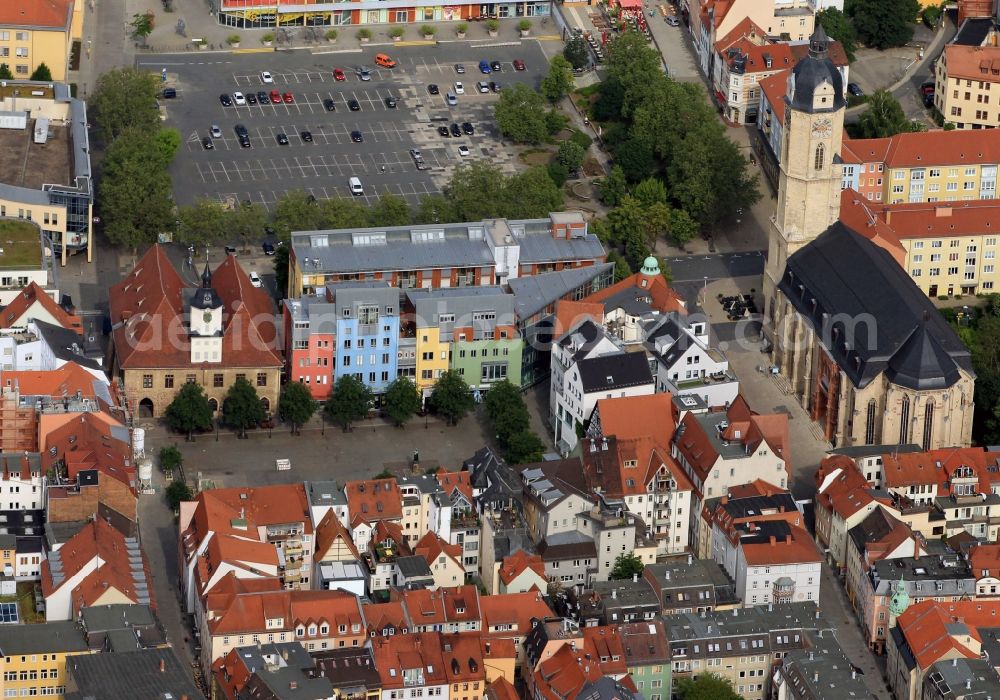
point(862, 217)
point(798, 548)
point(907, 220)
point(756, 57)
point(247, 613)
point(147, 308)
point(430, 547)
point(65, 381)
point(14, 313)
point(373, 500)
point(938, 467)
point(516, 609)
point(397, 654)
point(928, 627)
point(564, 674)
point(652, 416)
point(662, 297)
point(86, 442)
point(569, 314)
point(971, 62)
point(462, 654)
point(389, 615)
point(985, 557)
point(517, 563)
point(745, 29)
point(231, 674)
point(329, 529)
point(776, 87)
point(36, 13)
point(605, 642)
point(501, 689)
point(441, 606)
point(456, 480)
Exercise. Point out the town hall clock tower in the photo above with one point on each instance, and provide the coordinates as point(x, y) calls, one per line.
point(811, 172)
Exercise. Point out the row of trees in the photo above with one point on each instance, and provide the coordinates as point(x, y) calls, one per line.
point(41, 73)
point(135, 190)
point(511, 423)
point(881, 24)
point(191, 412)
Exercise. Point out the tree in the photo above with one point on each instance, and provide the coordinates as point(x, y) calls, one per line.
point(559, 81)
point(390, 210)
point(507, 411)
point(189, 411)
point(610, 100)
point(884, 117)
point(481, 191)
point(524, 448)
point(142, 24)
point(344, 213)
point(5, 73)
point(626, 566)
point(247, 220)
point(656, 222)
point(170, 458)
point(883, 24)
point(682, 227)
point(434, 209)
point(636, 158)
point(576, 52)
point(296, 210)
point(622, 268)
point(635, 66)
point(136, 199)
point(612, 188)
point(650, 191)
point(42, 73)
point(837, 26)
point(625, 219)
point(349, 402)
point(296, 405)
point(402, 400)
point(520, 114)
point(202, 224)
point(570, 154)
point(166, 143)
point(281, 270)
point(451, 397)
point(531, 194)
point(178, 492)
point(707, 686)
point(125, 100)
point(242, 408)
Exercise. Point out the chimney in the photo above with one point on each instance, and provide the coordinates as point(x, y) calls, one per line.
point(163, 666)
point(772, 540)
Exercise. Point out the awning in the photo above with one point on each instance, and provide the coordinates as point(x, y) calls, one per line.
point(630, 4)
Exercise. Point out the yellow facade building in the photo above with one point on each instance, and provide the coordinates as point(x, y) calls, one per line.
point(39, 31)
point(964, 77)
point(33, 658)
point(432, 357)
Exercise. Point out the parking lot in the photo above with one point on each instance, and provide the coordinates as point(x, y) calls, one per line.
point(322, 166)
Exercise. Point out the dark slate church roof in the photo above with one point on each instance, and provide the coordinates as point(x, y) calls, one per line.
point(816, 69)
point(870, 315)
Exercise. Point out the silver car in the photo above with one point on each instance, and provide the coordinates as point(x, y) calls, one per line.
point(364, 74)
point(451, 99)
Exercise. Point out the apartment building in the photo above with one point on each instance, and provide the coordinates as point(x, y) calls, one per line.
point(819, 672)
point(743, 645)
point(265, 670)
point(687, 364)
point(963, 76)
point(124, 675)
point(32, 33)
point(247, 533)
point(691, 585)
point(879, 537)
point(34, 658)
point(487, 252)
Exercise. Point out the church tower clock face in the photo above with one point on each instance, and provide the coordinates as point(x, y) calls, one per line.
point(207, 317)
point(822, 128)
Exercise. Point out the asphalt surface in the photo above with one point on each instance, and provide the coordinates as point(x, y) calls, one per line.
point(696, 268)
point(382, 161)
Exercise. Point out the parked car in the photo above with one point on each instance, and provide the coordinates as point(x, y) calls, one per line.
point(496, 66)
point(226, 100)
point(268, 248)
point(207, 144)
point(169, 93)
point(230, 249)
point(215, 131)
point(482, 87)
point(443, 131)
point(451, 99)
point(364, 74)
point(354, 105)
point(463, 150)
point(460, 69)
point(239, 98)
point(357, 137)
point(262, 98)
point(433, 89)
point(456, 130)
point(329, 105)
point(390, 102)
point(282, 139)
point(855, 89)
point(519, 64)
point(459, 88)
point(306, 136)
point(265, 77)
point(255, 279)
point(484, 67)
point(275, 97)
point(927, 87)
point(468, 129)
point(288, 98)
point(251, 98)
point(672, 21)
point(494, 86)
point(929, 100)
point(338, 74)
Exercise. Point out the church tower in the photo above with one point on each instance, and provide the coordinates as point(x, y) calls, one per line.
point(811, 171)
point(206, 322)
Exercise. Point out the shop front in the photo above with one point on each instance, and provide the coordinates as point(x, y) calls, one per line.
point(278, 13)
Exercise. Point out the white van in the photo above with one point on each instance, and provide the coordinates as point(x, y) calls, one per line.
point(356, 188)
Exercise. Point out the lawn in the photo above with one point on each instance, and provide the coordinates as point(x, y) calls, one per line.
point(19, 242)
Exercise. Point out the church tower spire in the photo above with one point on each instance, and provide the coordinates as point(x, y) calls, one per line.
point(810, 168)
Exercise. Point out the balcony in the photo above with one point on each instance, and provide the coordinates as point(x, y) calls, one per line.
point(708, 380)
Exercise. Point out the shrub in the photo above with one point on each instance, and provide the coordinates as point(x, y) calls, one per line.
point(233, 39)
point(331, 34)
point(582, 139)
point(396, 31)
point(462, 27)
point(524, 25)
point(268, 37)
point(559, 173)
point(364, 33)
point(428, 30)
point(492, 24)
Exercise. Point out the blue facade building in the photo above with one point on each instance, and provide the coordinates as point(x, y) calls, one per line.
point(367, 335)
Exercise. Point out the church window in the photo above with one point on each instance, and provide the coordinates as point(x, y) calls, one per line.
point(870, 424)
point(928, 425)
point(820, 157)
point(904, 421)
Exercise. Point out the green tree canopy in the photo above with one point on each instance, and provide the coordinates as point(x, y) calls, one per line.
point(281, 270)
point(136, 198)
point(650, 191)
point(451, 397)
point(296, 405)
point(189, 411)
point(247, 221)
point(570, 154)
point(635, 66)
point(125, 100)
point(177, 492)
point(203, 223)
point(142, 24)
point(507, 411)
point(481, 190)
point(883, 24)
point(5, 73)
point(296, 210)
point(390, 210)
point(524, 447)
point(558, 82)
point(576, 52)
point(402, 400)
point(41, 73)
point(170, 458)
point(349, 402)
point(626, 566)
point(884, 117)
point(612, 188)
point(707, 686)
point(622, 268)
point(242, 409)
point(520, 114)
point(837, 26)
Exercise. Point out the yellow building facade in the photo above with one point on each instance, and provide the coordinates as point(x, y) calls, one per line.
point(964, 77)
point(948, 183)
point(432, 357)
point(33, 658)
point(33, 32)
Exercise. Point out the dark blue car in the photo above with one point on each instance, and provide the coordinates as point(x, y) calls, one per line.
point(484, 67)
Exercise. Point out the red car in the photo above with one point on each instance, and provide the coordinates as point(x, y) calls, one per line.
point(275, 97)
point(288, 98)
point(927, 89)
point(339, 74)
point(518, 64)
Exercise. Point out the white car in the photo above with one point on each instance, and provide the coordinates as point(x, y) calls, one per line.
point(265, 77)
point(459, 89)
point(239, 99)
point(255, 280)
point(482, 87)
point(463, 150)
point(451, 99)
point(215, 131)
